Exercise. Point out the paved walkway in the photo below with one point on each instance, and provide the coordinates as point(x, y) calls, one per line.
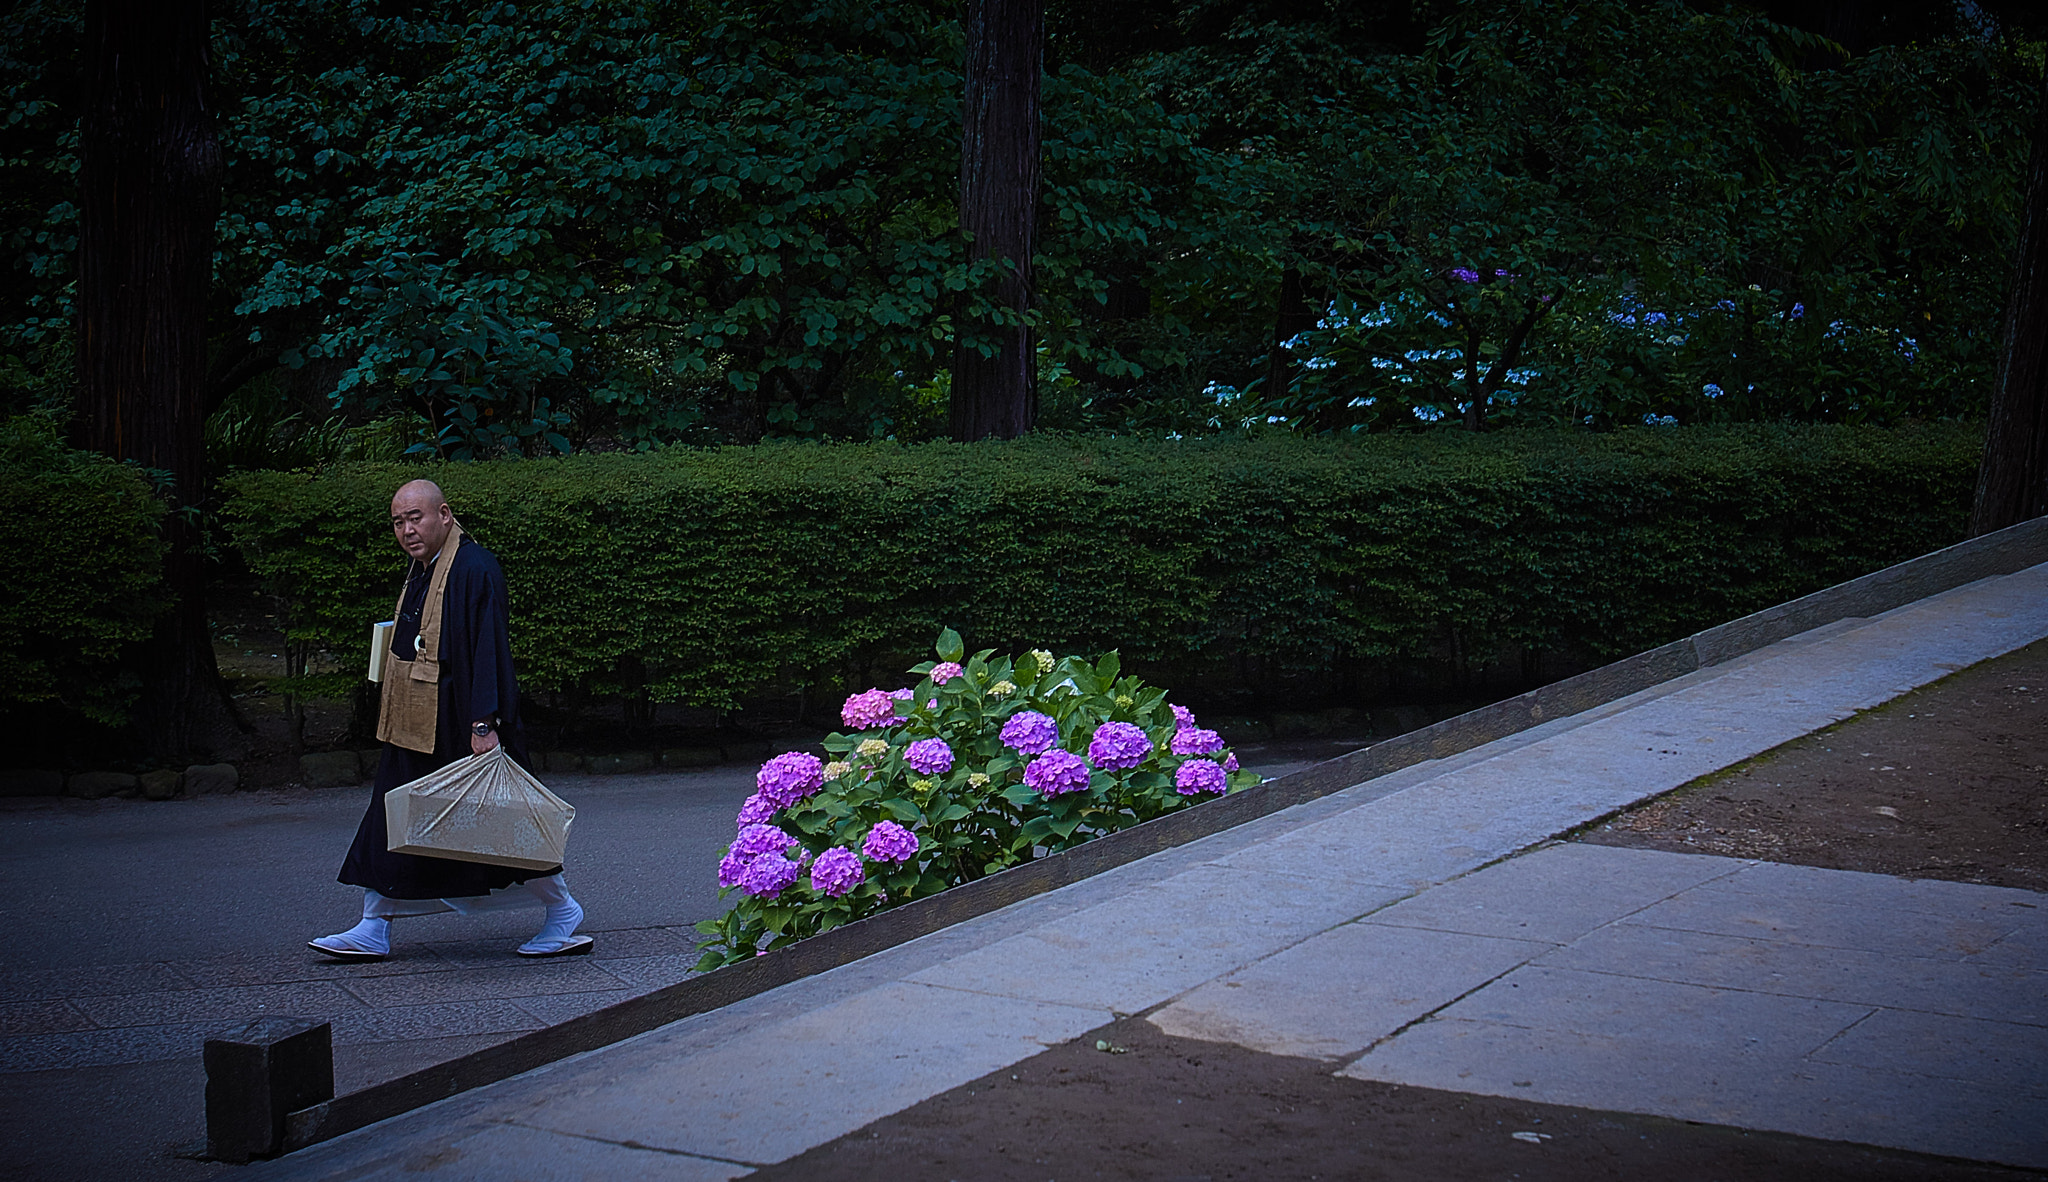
point(1391, 929)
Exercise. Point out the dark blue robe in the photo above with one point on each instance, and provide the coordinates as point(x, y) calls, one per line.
point(476, 683)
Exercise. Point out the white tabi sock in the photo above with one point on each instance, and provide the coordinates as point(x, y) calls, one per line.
point(564, 914)
point(373, 935)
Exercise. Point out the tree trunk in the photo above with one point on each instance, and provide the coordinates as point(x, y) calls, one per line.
point(1292, 317)
point(149, 181)
point(998, 396)
point(2012, 482)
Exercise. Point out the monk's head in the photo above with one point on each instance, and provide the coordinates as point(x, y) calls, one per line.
point(421, 519)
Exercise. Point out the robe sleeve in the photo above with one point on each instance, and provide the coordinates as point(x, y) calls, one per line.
point(483, 683)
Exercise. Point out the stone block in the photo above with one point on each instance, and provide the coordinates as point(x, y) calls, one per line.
point(31, 782)
point(565, 761)
point(162, 784)
point(97, 785)
point(691, 757)
point(258, 1074)
point(330, 769)
point(208, 779)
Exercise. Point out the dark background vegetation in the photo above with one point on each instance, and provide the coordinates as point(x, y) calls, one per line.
point(476, 231)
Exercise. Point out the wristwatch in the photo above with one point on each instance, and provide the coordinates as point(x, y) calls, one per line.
point(480, 729)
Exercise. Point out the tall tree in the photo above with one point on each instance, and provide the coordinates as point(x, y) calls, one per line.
point(150, 185)
point(2012, 482)
point(997, 396)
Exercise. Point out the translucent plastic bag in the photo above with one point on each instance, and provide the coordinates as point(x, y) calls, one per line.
point(485, 808)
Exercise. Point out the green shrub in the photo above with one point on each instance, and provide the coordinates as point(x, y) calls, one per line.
point(977, 768)
point(81, 557)
point(704, 576)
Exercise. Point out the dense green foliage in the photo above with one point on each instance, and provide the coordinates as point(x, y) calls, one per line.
point(81, 558)
point(709, 576)
point(531, 227)
point(977, 815)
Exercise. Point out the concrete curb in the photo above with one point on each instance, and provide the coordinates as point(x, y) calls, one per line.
point(2002, 553)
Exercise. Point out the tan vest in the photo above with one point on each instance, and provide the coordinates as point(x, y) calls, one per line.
point(409, 715)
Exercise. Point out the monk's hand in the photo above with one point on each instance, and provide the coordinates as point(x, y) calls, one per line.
point(478, 744)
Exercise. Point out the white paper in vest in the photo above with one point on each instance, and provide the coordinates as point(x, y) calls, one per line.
point(485, 808)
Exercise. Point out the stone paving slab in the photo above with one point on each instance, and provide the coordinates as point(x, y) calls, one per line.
point(765, 1078)
point(1855, 923)
point(2009, 1054)
point(513, 1151)
point(1779, 1010)
point(1332, 996)
point(1558, 897)
point(812, 1077)
point(1136, 952)
point(1894, 979)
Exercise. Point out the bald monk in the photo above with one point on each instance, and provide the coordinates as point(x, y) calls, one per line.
point(452, 614)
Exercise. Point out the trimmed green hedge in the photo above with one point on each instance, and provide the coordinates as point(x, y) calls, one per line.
point(81, 557)
point(704, 576)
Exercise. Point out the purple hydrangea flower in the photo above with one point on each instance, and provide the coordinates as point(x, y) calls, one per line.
point(901, 695)
point(890, 842)
point(837, 871)
point(790, 777)
point(1199, 775)
point(1196, 741)
point(945, 671)
point(1464, 274)
point(869, 710)
point(1183, 718)
point(755, 840)
point(730, 868)
point(930, 756)
point(1230, 762)
point(1030, 732)
point(1057, 772)
point(755, 811)
point(767, 875)
point(1118, 745)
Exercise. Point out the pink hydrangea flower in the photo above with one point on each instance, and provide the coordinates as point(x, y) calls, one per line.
point(837, 871)
point(1199, 775)
point(890, 842)
point(1118, 746)
point(945, 671)
point(930, 756)
point(865, 711)
point(1057, 772)
point(768, 875)
point(1196, 741)
point(1030, 732)
point(790, 777)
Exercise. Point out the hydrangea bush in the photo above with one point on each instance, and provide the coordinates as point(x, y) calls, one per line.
point(979, 767)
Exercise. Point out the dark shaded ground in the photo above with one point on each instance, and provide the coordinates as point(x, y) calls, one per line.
point(1949, 782)
point(1172, 1108)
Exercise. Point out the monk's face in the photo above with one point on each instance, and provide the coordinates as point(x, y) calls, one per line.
point(421, 519)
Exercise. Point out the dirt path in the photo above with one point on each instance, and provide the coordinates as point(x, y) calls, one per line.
point(1949, 782)
point(1172, 1108)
